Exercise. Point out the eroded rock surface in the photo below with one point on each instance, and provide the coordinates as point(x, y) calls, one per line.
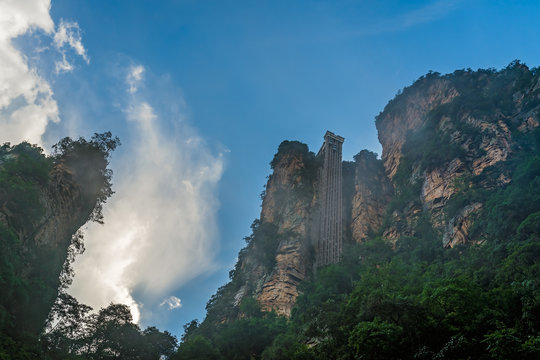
point(409, 113)
point(287, 206)
point(372, 192)
point(458, 228)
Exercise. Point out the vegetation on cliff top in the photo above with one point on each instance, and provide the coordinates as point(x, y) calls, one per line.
point(480, 92)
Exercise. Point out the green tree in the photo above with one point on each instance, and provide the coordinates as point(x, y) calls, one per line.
point(197, 348)
point(376, 340)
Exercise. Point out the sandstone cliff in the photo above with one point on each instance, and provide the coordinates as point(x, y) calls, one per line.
point(447, 137)
point(279, 253)
point(282, 236)
point(371, 193)
point(408, 112)
point(287, 205)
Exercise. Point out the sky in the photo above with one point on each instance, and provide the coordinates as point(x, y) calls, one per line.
point(201, 93)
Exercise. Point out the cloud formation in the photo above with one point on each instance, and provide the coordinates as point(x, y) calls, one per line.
point(27, 101)
point(172, 302)
point(68, 35)
point(159, 229)
point(134, 77)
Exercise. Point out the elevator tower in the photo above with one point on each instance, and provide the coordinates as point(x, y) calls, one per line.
point(330, 239)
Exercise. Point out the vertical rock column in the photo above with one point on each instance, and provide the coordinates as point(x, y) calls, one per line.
point(330, 238)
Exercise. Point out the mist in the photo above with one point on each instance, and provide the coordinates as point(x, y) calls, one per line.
point(160, 226)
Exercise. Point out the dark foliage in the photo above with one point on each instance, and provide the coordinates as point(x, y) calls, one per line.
point(31, 273)
point(288, 148)
point(245, 338)
point(74, 333)
point(89, 161)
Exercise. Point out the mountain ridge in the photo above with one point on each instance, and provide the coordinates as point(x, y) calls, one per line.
point(433, 107)
point(456, 150)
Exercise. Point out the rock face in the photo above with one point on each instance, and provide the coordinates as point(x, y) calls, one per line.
point(66, 207)
point(372, 192)
point(438, 187)
point(282, 236)
point(280, 291)
point(289, 210)
point(409, 112)
point(458, 227)
point(63, 205)
point(451, 136)
point(496, 143)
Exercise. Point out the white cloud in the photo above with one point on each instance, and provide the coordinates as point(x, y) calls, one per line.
point(63, 65)
point(26, 99)
point(160, 228)
point(27, 103)
point(160, 225)
point(172, 302)
point(134, 78)
point(68, 35)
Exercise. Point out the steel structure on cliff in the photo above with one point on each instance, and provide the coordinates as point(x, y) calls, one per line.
point(330, 239)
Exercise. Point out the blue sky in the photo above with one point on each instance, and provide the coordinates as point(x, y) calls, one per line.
point(201, 93)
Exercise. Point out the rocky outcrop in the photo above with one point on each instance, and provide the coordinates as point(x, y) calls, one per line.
point(439, 184)
point(451, 130)
point(287, 205)
point(409, 112)
point(280, 291)
point(65, 208)
point(372, 192)
point(287, 208)
point(529, 123)
point(64, 214)
point(458, 228)
point(438, 187)
point(496, 144)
